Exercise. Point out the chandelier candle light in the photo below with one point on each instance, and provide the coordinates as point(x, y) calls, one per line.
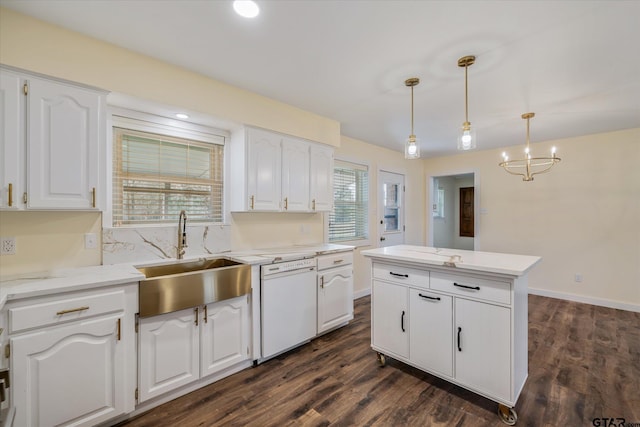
point(411, 148)
point(529, 166)
point(467, 136)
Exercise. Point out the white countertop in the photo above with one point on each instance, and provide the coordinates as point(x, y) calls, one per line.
point(72, 279)
point(490, 262)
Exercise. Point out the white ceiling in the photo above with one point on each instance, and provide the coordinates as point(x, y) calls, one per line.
point(574, 63)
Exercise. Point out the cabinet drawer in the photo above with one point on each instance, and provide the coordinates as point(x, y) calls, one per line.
point(52, 311)
point(401, 274)
point(481, 289)
point(335, 260)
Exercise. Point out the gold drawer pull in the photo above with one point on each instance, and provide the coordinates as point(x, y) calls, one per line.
point(252, 201)
point(93, 197)
point(10, 194)
point(73, 310)
point(338, 261)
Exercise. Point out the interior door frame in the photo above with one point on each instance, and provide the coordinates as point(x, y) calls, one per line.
point(476, 202)
point(379, 231)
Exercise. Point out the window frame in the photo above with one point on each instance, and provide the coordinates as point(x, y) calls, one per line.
point(152, 123)
point(366, 241)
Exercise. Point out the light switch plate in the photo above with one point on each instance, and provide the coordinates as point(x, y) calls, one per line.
point(7, 245)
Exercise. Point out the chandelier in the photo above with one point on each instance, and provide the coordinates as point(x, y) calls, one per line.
point(529, 166)
point(411, 147)
point(467, 136)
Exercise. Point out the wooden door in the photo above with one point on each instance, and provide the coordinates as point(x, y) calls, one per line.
point(466, 212)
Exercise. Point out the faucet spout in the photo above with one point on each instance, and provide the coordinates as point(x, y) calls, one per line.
point(182, 234)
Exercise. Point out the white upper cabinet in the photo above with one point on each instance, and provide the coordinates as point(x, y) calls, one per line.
point(295, 175)
point(11, 141)
point(321, 178)
point(264, 163)
point(58, 162)
point(272, 172)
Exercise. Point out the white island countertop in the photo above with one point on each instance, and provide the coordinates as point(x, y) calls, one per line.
point(489, 262)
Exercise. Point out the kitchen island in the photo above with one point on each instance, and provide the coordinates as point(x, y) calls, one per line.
point(459, 315)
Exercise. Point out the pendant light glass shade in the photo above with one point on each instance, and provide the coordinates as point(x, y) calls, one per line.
point(411, 146)
point(467, 135)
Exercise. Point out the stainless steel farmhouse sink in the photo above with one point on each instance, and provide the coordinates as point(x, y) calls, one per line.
point(180, 285)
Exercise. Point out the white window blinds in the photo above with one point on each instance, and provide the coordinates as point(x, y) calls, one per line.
point(156, 176)
point(349, 219)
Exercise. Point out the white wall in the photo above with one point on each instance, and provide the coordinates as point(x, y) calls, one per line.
point(581, 217)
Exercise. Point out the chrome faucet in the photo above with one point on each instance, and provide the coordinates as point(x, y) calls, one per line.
point(182, 233)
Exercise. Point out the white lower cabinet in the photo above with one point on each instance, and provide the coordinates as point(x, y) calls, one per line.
point(335, 290)
point(483, 342)
point(431, 336)
point(390, 318)
point(224, 337)
point(178, 348)
point(167, 352)
point(468, 330)
point(71, 357)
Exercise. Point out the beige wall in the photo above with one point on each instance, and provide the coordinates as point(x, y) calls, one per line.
point(37, 46)
point(582, 217)
point(378, 158)
point(46, 241)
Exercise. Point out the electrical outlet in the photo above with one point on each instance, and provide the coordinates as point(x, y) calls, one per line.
point(578, 278)
point(7, 245)
point(90, 241)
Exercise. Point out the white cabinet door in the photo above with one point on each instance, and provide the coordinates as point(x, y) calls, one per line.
point(167, 353)
point(390, 318)
point(295, 175)
point(335, 297)
point(321, 175)
point(11, 141)
point(71, 373)
point(64, 133)
point(482, 347)
point(431, 326)
point(224, 335)
point(264, 170)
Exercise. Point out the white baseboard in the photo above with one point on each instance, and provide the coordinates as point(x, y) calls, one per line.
point(588, 300)
point(361, 293)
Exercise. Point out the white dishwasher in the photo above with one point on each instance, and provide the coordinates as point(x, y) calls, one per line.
point(288, 305)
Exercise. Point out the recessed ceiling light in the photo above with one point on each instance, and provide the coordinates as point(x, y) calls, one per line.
point(182, 116)
point(246, 8)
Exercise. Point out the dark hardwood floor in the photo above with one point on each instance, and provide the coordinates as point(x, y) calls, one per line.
point(584, 363)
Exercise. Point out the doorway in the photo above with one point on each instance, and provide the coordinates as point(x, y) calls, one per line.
point(453, 220)
point(391, 208)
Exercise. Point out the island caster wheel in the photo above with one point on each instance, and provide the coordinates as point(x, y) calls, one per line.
point(381, 359)
point(507, 415)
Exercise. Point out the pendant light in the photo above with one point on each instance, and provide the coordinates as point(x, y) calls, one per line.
point(467, 136)
point(529, 166)
point(411, 147)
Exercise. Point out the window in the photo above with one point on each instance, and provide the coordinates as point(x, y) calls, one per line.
point(349, 219)
point(155, 176)
point(438, 203)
